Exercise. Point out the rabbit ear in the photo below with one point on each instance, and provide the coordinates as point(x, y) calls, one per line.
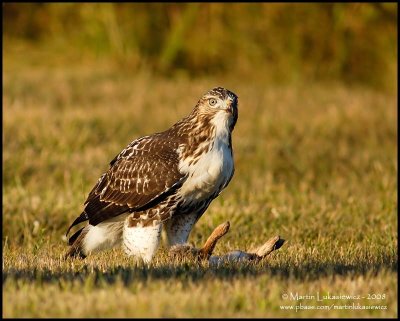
point(272, 244)
point(209, 245)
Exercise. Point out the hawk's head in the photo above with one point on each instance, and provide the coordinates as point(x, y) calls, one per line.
point(219, 106)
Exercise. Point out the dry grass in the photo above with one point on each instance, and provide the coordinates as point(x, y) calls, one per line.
point(316, 164)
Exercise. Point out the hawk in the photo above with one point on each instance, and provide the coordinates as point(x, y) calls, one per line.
point(167, 179)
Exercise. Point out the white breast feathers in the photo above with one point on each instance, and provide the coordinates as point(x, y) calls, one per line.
point(210, 172)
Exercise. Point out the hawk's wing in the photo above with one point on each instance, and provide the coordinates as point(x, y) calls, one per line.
point(138, 178)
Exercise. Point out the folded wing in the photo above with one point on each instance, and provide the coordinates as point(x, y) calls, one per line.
point(140, 177)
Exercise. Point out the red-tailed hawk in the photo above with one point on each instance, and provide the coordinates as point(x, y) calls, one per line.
point(165, 179)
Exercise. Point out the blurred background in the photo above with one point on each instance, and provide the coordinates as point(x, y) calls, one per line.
point(354, 43)
point(315, 148)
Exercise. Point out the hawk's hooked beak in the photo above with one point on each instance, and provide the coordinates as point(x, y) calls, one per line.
point(231, 105)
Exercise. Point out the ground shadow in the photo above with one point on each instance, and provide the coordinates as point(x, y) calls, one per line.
point(194, 273)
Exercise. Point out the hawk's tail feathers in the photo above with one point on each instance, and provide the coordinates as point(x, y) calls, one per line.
point(76, 242)
point(81, 218)
point(72, 239)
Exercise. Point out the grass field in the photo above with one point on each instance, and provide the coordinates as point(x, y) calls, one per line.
point(315, 163)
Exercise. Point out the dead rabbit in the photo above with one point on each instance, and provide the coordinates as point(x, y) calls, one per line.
point(187, 251)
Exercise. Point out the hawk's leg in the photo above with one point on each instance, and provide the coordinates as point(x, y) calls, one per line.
point(141, 242)
point(179, 227)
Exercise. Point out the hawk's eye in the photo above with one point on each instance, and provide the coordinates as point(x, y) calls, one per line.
point(212, 101)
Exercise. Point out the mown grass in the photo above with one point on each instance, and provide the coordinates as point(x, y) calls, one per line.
point(315, 163)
